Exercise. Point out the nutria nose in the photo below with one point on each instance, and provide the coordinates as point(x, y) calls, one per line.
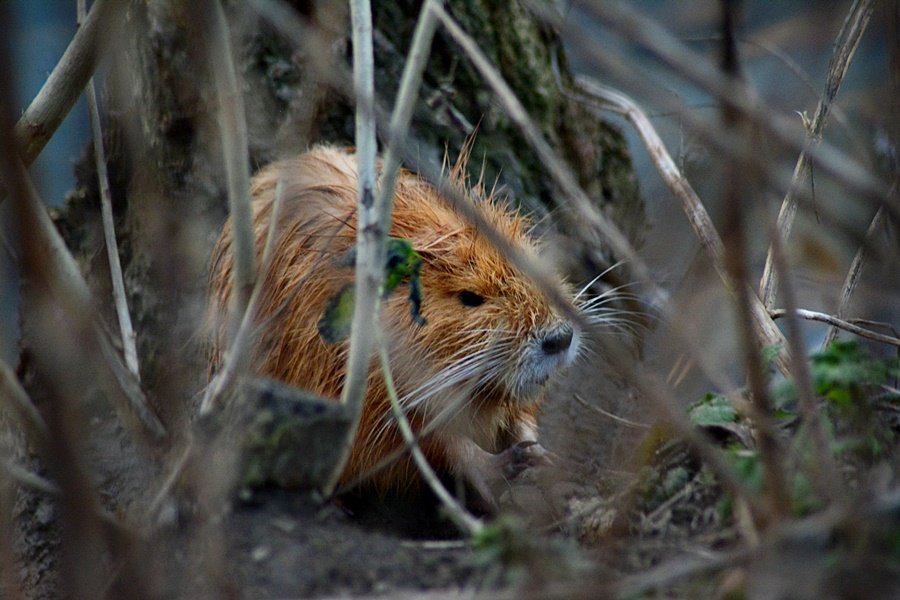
point(558, 341)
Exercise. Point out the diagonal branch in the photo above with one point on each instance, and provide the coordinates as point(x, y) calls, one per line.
point(853, 275)
point(693, 207)
point(126, 330)
point(66, 82)
point(844, 49)
point(233, 133)
point(591, 223)
point(46, 258)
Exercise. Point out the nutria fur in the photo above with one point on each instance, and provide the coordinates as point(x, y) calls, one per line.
point(474, 372)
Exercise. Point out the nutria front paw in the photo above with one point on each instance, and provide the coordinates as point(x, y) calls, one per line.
point(521, 456)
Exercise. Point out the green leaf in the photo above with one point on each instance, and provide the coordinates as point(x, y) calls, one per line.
point(335, 324)
point(402, 263)
point(712, 410)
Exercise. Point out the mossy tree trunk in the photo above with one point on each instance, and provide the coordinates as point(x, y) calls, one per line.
point(165, 154)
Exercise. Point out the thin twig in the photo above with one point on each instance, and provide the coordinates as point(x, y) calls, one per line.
point(129, 345)
point(844, 49)
point(410, 83)
point(606, 413)
point(12, 393)
point(589, 221)
point(838, 323)
point(380, 214)
point(735, 195)
point(371, 234)
point(238, 355)
point(233, 133)
point(29, 479)
point(699, 70)
point(823, 473)
point(46, 253)
point(853, 275)
point(466, 522)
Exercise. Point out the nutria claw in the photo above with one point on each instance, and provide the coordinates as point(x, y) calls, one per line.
point(521, 456)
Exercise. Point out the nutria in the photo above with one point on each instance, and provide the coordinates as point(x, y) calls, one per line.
point(472, 371)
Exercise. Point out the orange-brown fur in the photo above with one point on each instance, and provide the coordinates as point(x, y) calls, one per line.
point(316, 230)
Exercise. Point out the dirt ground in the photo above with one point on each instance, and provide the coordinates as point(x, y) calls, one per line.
point(280, 543)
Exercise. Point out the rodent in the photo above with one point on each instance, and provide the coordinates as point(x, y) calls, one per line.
point(474, 372)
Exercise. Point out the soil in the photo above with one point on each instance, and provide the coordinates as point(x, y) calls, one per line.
point(282, 543)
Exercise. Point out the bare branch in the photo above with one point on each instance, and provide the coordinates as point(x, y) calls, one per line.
point(853, 275)
point(410, 83)
point(126, 330)
point(824, 474)
point(66, 82)
point(233, 132)
point(371, 233)
point(691, 204)
point(844, 49)
point(466, 522)
point(46, 255)
point(838, 323)
point(610, 415)
point(737, 189)
point(238, 355)
point(590, 222)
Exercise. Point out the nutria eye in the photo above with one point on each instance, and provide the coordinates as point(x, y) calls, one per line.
point(470, 298)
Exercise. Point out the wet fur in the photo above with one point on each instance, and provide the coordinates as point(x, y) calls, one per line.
point(463, 373)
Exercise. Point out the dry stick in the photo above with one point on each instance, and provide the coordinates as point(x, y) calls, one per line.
point(608, 414)
point(237, 357)
point(690, 202)
point(66, 82)
point(737, 190)
point(69, 288)
point(129, 345)
point(838, 323)
point(459, 515)
point(853, 275)
point(398, 128)
point(16, 398)
point(698, 70)
point(824, 473)
point(645, 383)
point(371, 234)
point(233, 133)
point(590, 222)
point(844, 49)
point(710, 240)
point(407, 94)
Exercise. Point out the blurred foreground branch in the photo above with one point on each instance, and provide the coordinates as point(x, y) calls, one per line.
point(66, 82)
